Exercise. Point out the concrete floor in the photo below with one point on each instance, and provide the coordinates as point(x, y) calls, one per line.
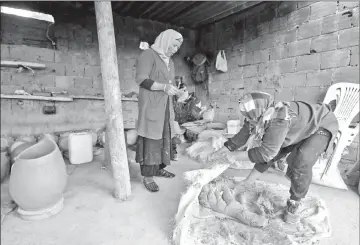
point(93, 217)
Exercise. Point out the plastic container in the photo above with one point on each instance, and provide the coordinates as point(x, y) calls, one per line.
point(233, 126)
point(80, 148)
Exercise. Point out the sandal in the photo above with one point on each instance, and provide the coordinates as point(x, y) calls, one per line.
point(165, 174)
point(150, 184)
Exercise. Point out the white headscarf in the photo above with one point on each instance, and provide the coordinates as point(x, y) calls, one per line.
point(163, 41)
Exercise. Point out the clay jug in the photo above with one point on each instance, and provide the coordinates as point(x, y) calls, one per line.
point(5, 164)
point(38, 177)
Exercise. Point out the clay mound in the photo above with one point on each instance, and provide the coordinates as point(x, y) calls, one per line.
point(209, 141)
point(211, 211)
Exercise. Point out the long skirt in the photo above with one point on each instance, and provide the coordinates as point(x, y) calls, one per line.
point(153, 155)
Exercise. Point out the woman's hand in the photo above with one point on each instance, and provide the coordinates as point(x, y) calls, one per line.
point(171, 90)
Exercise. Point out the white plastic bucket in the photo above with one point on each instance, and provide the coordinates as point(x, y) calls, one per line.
point(233, 126)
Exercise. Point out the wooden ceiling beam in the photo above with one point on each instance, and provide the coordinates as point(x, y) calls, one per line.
point(193, 10)
point(242, 6)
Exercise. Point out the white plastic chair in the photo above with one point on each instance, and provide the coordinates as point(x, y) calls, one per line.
point(346, 96)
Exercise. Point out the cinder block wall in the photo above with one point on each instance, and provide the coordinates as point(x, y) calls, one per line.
point(292, 50)
point(73, 66)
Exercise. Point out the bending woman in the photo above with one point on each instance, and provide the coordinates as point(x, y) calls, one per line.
point(154, 74)
point(302, 129)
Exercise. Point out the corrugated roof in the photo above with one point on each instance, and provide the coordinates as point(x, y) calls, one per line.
point(190, 14)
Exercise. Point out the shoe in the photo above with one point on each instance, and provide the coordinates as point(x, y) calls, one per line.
point(292, 215)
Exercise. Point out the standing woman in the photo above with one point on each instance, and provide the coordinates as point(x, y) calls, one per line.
point(155, 75)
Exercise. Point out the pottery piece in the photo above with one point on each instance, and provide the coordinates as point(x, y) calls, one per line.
point(52, 135)
point(38, 179)
point(27, 138)
point(131, 136)
point(64, 141)
point(102, 138)
point(15, 145)
point(5, 164)
point(98, 151)
point(6, 142)
point(19, 147)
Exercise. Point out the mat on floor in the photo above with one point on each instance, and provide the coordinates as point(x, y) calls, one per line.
point(203, 218)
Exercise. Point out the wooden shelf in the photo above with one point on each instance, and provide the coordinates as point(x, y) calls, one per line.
point(57, 98)
point(84, 97)
point(31, 97)
point(15, 64)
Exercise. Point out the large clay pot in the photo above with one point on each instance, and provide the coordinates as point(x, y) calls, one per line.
point(38, 179)
point(5, 164)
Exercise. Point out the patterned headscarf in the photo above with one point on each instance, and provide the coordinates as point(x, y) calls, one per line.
point(259, 109)
point(163, 42)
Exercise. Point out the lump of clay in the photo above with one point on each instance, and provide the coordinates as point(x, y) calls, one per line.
point(223, 201)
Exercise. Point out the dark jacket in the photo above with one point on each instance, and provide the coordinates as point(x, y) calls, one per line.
point(281, 133)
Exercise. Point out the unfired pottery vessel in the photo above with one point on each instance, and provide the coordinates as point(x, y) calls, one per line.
point(38, 179)
point(5, 164)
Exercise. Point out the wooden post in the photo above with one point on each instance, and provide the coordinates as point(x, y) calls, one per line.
point(112, 95)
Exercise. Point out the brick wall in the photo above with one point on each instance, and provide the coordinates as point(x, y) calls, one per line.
point(292, 50)
point(73, 66)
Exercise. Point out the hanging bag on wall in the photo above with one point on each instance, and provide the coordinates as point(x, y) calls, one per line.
point(221, 63)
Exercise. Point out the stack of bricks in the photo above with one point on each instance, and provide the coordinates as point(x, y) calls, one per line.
point(74, 66)
point(292, 50)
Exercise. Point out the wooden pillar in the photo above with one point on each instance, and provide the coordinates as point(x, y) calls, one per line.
point(113, 104)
